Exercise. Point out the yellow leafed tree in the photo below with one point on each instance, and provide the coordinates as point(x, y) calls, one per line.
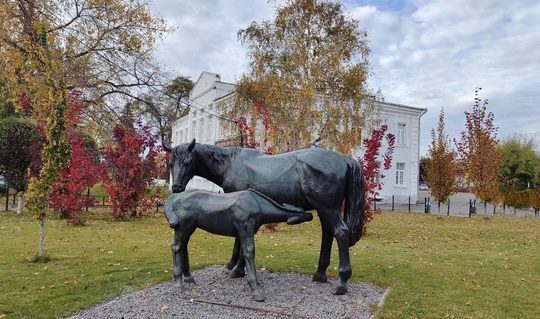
point(103, 47)
point(309, 68)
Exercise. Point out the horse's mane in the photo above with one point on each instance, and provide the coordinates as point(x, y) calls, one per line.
point(287, 207)
point(220, 153)
point(217, 152)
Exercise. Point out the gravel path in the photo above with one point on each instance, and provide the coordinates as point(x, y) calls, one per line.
point(216, 295)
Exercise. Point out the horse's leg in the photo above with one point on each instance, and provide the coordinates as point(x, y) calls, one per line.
point(341, 233)
point(324, 256)
point(236, 261)
point(188, 278)
point(176, 248)
point(246, 232)
point(333, 224)
point(239, 269)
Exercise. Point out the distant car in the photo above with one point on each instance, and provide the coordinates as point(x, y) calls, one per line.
point(3, 184)
point(423, 187)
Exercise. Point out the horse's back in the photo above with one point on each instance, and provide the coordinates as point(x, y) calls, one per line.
point(297, 177)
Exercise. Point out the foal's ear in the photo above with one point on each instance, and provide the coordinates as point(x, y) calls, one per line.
point(166, 146)
point(191, 145)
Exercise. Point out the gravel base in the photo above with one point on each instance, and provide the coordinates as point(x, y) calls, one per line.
point(215, 295)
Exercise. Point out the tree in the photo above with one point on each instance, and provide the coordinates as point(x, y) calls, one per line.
point(131, 163)
point(372, 168)
point(478, 151)
point(83, 170)
point(520, 162)
point(164, 106)
point(20, 147)
point(441, 170)
point(310, 68)
point(103, 47)
point(56, 149)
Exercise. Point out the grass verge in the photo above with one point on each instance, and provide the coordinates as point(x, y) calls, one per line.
point(437, 267)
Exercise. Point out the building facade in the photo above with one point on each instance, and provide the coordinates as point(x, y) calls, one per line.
point(205, 125)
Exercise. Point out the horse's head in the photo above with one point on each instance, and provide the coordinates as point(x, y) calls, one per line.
point(181, 164)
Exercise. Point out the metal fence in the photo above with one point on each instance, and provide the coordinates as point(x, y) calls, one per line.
point(460, 204)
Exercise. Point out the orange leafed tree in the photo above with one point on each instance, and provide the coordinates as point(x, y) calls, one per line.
point(478, 151)
point(441, 170)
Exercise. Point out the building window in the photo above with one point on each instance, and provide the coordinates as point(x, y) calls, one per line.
point(400, 173)
point(400, 134)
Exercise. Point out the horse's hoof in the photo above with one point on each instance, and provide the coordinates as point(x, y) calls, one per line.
point(180, 287)
point(230, 265)
point(320, 278)
point(190, 280)
point(339, 290)
point(257, 296)
point(237, 273)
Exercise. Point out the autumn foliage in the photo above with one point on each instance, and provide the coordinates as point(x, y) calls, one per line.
point(441, 170)
point(372, 167)
point(132, 165)
point(478, 151)
point(82, 171)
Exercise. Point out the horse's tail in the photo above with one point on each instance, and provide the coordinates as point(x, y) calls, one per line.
point(354, 202)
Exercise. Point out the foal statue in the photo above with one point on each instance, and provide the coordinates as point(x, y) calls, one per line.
point(238, 214)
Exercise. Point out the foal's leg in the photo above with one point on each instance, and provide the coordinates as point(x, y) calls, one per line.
point(188, 278)
point(176, 249)
point(246, 232)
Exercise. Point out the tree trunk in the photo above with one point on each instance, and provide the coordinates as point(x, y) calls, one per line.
point(41, 238)
point(20, 203)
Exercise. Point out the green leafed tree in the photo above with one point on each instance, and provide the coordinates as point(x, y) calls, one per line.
point(478, 151)
point(520, 161)
point(20, 146)
point(440, 171)
point(309, 67)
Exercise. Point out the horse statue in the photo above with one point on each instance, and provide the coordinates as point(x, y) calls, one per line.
point(311, 178)
point(238, 214)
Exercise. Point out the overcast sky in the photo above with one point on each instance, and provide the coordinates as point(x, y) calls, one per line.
point(426, 54)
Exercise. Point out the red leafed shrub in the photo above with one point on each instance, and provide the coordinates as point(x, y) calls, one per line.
point(82, 172)
point(131, 164)
point(371, 168)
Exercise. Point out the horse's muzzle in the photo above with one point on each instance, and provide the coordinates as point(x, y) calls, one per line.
point(177, 188)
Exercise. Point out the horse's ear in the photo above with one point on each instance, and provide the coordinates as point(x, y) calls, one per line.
point(191, 145)
point(166, 146)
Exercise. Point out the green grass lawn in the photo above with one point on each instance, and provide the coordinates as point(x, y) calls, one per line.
point(435, 267)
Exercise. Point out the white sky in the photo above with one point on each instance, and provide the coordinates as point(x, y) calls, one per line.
point(426, 54)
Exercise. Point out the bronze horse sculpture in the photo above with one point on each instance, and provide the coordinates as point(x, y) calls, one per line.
point(238, 214)
point(311, 178)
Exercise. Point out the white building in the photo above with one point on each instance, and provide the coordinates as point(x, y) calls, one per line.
point(204, 124)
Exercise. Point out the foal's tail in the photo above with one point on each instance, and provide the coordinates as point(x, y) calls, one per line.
point(354, 202)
